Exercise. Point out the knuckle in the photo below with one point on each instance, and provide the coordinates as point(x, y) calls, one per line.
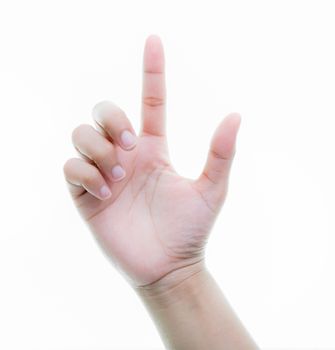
point(115, 120)
point(79, 130)
point(90, 178)
point(104, 153)
point(68, 166)
point(100, 107)
point(153, 101)
point(105, 110)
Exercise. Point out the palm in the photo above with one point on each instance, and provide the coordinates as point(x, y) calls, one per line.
point(157, 221)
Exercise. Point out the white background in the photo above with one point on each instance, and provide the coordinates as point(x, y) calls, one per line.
point(272, 247)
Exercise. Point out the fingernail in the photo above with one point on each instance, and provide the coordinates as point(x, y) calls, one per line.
point(105, 192)
point(118, 172)
point(128, 139)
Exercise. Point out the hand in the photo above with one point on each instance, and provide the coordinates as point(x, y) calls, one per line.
point(150, 221)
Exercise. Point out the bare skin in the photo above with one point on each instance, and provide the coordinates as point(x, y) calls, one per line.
point(152, 222)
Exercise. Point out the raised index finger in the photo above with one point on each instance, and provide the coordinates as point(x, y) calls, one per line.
point(153, 89)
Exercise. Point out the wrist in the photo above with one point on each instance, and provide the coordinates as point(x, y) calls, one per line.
point(176, 286)
point(191, 312)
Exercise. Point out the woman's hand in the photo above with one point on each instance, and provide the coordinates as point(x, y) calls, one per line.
point(150, 220)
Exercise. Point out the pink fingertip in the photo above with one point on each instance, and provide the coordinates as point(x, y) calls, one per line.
point(105, 192)
point(128, 139)
point(154, 54)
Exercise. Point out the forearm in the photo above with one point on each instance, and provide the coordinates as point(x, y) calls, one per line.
point(192, 313)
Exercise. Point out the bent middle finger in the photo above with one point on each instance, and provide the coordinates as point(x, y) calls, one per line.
point(115, 124)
